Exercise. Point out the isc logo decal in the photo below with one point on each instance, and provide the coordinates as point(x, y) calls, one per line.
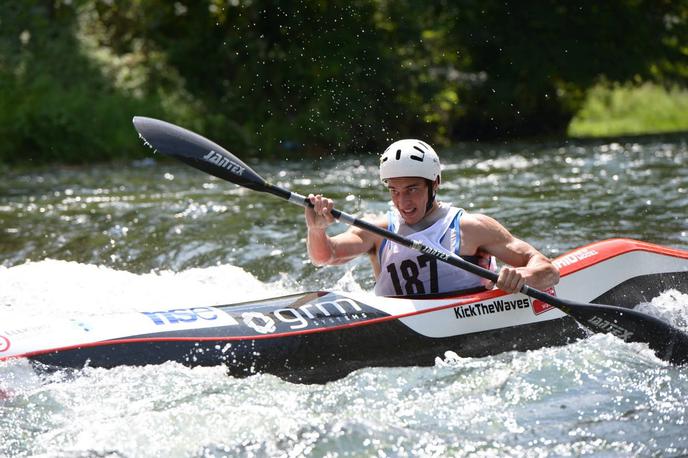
point(182, 315)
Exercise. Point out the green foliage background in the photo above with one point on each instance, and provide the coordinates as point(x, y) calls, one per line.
point(281, 78)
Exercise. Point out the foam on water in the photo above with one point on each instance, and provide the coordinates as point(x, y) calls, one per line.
point(595, 396)
point(52, 288)
point(670, 306)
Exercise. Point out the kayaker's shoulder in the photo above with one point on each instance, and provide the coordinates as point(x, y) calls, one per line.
point(479, 223)
point(479, 219)
point(475, 220)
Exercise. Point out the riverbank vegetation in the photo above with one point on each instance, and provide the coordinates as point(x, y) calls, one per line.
point(280, 78)
point(631, 110)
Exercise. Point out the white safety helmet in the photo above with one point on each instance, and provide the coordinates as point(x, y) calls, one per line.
point(409, 158)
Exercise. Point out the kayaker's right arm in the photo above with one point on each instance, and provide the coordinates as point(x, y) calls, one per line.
point(338, 249)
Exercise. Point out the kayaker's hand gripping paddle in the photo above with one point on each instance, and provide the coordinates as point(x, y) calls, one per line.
point(668, 342)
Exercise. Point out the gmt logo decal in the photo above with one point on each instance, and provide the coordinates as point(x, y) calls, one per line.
point(489, 308)
point(307, 316)
point(4, 344)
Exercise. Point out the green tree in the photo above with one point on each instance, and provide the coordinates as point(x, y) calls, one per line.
point(281, 77)
point(540, 58)
point(56, 103)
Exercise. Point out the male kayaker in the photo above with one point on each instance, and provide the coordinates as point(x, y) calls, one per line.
point(411, 171)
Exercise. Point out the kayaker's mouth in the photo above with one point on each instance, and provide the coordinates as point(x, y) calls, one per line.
point(409, 214)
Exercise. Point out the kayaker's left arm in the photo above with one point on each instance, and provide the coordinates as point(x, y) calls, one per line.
point(526, 265)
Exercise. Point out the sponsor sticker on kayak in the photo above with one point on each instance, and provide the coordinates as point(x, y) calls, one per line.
point(489, 308)
point(502, 305)
point(320, 312)
point(541, 306)
point(316, 314)
point(185, 315)
point(575, 257)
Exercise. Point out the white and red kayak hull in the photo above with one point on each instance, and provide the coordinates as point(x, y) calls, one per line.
point(321, 336)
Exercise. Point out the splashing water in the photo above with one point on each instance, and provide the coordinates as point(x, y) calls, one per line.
point(53, 288)
point(669, 306)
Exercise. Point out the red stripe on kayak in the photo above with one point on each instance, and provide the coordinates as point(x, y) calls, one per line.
point(597, 252)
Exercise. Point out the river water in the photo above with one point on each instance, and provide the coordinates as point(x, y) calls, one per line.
point(91, 240)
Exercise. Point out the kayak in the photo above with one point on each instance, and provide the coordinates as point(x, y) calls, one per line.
point(315, 337)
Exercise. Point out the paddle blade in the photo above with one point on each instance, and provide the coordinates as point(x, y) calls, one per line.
point(668, 342)
point(197, 151)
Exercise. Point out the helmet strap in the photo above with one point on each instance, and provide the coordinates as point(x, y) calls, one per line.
point(431, 195)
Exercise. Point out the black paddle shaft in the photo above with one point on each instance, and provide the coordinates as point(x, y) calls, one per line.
point(668, 342)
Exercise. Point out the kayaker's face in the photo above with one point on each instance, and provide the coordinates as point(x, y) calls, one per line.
point(410, 197)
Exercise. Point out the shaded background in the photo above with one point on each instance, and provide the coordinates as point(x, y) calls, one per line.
point(283, 78)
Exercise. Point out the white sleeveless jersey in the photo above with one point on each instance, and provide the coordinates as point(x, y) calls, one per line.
point(406, 272)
